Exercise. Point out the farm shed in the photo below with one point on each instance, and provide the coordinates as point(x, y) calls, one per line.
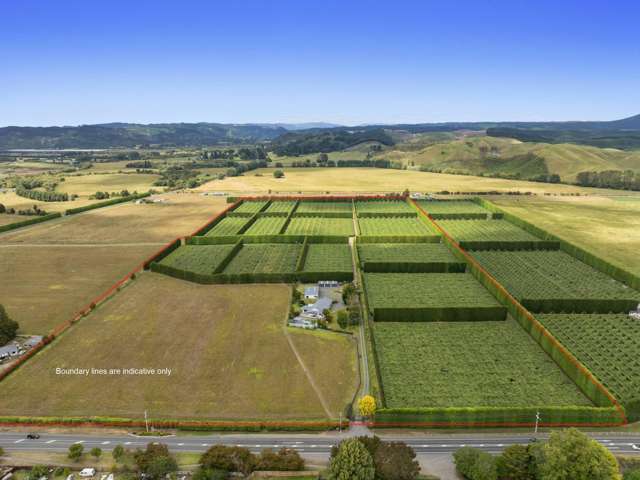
point(311, 293)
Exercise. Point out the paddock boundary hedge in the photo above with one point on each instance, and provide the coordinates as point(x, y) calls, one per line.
point(511, 245)
point(113, 201)
point(497, 417)
point(302, 258)
point(413, 267)
point(235, 278)
point(31, 221)
point(460, 216)
point(399, 239)
point(323, 215)
point(194, 425)
point(386, 214)
point(584, 379)
point(440, 314)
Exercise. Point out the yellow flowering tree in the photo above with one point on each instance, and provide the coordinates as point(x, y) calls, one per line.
point(367, 406)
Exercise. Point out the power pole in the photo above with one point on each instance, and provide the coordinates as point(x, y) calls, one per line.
point(146, 421)
point(537, 420)
point(340, 424)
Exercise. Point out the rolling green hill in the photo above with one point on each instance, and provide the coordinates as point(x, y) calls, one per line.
point(481, 154)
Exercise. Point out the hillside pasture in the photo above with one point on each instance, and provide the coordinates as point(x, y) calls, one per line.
point(225, 346)
point(377, 180)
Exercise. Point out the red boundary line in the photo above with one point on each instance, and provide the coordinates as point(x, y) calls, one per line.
point(168, 423)
point(177, 423)
point(483, 424)
point(568, 355)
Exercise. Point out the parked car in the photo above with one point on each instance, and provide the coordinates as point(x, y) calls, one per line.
point(33, 436)
point(110, 477)
point(71, 477)
point(87, 472)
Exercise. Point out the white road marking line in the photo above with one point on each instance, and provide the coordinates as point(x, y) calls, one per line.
point(50, 441)
point(181, 444)
point(127, 443)
point(106, 443)
point(205, 444)
point(80, 441)
point(19, 441)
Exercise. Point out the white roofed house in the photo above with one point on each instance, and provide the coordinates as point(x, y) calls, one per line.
point(8, 351)
point(315, 309)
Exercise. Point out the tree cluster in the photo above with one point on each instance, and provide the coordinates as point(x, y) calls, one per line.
point(222, 460)
point(143, 165)
point(43, 196)
point(351, 314)
point(369, 458)
point(568, 454)
point(244, 153)
point(618, 179)
point(155, 461)
point(8, 327)
point(106, 195)
point(33, 211)
point(327, 140)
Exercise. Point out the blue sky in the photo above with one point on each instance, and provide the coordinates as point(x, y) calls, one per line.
point(79, 62)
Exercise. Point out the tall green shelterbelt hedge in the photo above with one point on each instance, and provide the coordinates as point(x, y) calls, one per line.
point(31, 221)
point(106, 203)
point(496, 416)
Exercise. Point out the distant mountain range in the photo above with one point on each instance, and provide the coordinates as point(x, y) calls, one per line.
point(623, 134)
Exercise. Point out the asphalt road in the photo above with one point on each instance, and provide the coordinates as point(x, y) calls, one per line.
point(307, 444)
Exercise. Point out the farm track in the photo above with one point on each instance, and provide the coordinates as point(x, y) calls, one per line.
point(363, 359)
point(306, 371)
